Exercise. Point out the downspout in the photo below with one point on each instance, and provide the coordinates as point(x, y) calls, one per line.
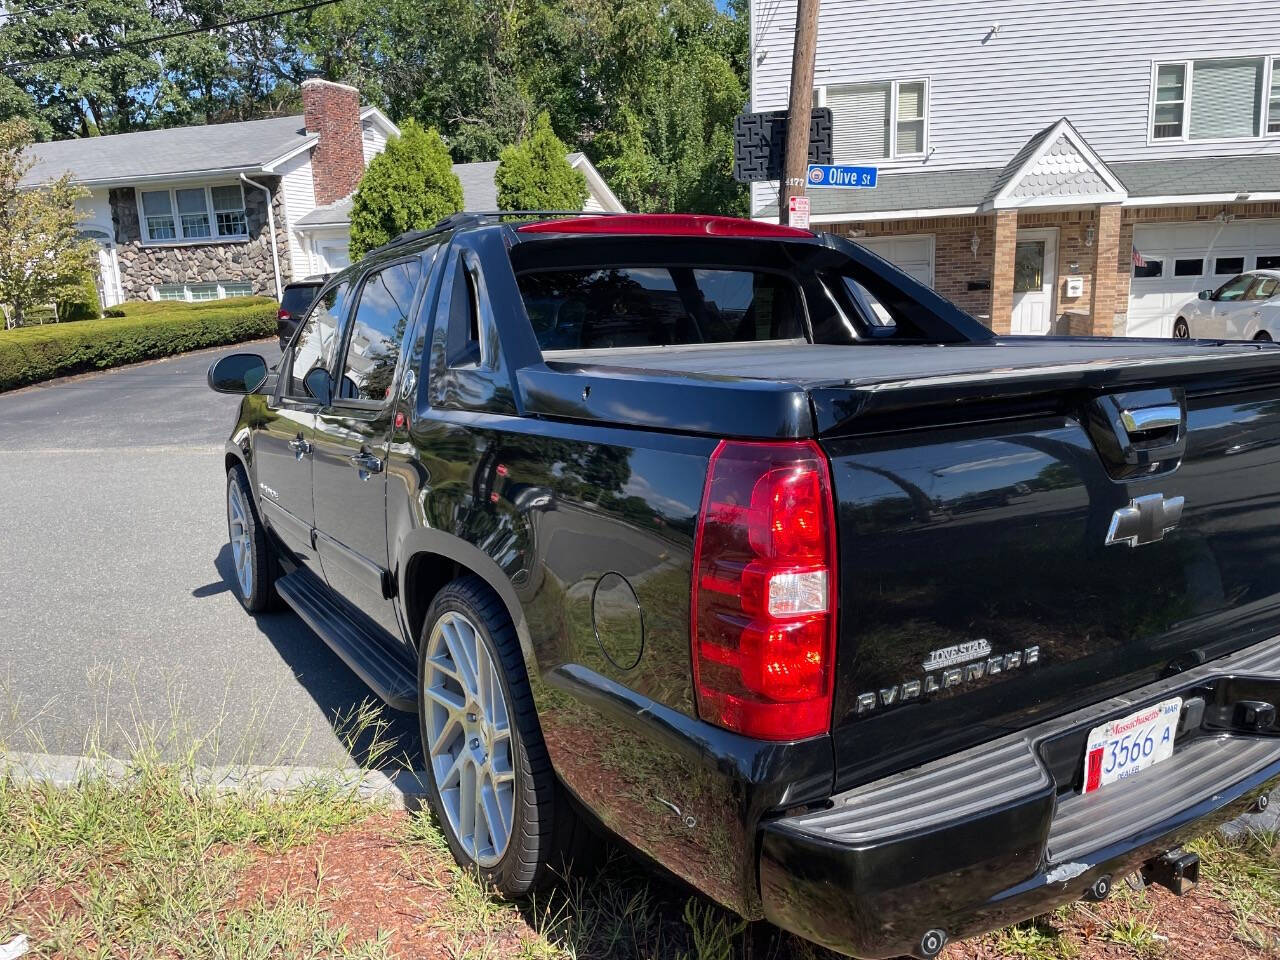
point(271, 225)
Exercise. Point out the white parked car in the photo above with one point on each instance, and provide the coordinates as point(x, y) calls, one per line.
point(1246, 307)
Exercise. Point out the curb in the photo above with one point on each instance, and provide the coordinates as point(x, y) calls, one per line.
point(399, 789)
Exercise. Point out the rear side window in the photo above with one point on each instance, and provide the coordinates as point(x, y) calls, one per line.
point(298, 298)
point(377, 330)
point(646, 306)
point(314, 343)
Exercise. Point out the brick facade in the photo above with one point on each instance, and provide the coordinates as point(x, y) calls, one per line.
point(333, 111)
point(1006, 241)
point(982, 285)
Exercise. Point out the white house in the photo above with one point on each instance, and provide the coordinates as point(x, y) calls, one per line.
point(205, 212)
point(1082, 167)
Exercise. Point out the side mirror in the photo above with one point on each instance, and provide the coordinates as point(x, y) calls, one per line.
point(239, 373)
point(319, 385)
point(1205, 294)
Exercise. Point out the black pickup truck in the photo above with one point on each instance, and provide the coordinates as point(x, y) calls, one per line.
point(737, 541)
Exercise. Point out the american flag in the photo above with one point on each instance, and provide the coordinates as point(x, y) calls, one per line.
point(1138, 259)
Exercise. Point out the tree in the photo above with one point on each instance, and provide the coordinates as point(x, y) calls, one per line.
point(536, 175)
point(42, 255)
point(408, 186)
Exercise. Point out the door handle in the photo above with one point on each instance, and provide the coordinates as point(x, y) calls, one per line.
point(299, 447)
point(366, 463)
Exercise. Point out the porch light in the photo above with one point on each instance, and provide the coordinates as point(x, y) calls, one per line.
point(1088, 235)
point(974, 244)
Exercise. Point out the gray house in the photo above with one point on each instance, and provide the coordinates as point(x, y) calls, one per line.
point(206, 212)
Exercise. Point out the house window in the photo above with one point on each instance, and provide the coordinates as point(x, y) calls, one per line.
point(196, 292)
point(1228, 265)
point(157, 215)
point(202, 213)
point(1188, 268)
point(877, 121)
point(228, 207)
point(1268, 261)
point(1147, 267)
point(1273, 102)
point(193, 213)
point(1218, 99)
point(1170, 101)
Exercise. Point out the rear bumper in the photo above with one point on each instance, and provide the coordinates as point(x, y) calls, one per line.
point(989, 837)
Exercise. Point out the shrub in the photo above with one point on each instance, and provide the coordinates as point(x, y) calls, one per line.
point(409, 186)
point(535, 174)
point(150, 308)
point(80, 303)
point(31, 354)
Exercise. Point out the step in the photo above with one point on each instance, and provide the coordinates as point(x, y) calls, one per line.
point(388, 672)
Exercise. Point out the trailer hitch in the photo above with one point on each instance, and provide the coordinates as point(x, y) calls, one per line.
point(1177, 870)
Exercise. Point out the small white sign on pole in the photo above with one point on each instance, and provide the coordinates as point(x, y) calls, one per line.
point(799, 210)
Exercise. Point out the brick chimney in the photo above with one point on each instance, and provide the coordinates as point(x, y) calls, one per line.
point(333, 111)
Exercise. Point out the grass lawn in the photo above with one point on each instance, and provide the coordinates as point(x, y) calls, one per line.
point(140, 331)
point(159, 867)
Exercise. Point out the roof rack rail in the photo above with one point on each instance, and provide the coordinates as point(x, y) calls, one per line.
point(469, 217)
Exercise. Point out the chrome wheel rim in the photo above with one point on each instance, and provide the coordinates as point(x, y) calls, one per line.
point(1181, 331)
point(468, 746)
point(241, 544)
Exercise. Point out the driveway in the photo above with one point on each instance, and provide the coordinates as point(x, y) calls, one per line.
point(118, 620)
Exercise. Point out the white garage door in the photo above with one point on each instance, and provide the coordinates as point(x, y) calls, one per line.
point(913, 255)
point(1181, 259)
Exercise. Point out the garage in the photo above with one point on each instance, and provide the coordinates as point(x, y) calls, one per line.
point(912, 254)
point(1173, 262)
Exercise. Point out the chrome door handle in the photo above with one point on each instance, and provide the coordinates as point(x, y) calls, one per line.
point(300, 447)
point(366, 463)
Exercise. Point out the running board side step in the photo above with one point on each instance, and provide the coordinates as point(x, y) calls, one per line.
point(388, 672)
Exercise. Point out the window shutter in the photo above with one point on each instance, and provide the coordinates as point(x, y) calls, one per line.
point(859, 121)
point(1226, 96)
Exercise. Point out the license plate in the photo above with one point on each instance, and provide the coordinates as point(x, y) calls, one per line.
point(1123, 748)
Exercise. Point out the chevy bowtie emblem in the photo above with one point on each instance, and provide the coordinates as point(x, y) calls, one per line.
point(1145, 520)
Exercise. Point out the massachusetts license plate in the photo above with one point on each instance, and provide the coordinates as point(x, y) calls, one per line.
point(1125, 747)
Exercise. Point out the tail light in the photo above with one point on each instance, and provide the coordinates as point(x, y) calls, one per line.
point(282, 314)
point(764, 591)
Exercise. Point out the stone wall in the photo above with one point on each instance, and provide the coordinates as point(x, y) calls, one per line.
point(144, 266)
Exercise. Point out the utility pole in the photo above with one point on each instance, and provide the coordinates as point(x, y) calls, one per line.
point(795, 160)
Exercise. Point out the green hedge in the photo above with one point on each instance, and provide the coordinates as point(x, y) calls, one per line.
point(150, 308)
point(148, 330)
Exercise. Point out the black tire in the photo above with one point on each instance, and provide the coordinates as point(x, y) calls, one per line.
point(1262, 336)
point(545, 829)
point(258, 555)
point(1181, 331)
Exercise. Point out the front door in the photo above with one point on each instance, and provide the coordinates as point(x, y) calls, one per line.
point(1035, 271)
point(352, 434)
point(284, 443)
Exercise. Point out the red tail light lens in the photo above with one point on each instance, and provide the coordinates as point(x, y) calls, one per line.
point(282, 314)
point(764, 591)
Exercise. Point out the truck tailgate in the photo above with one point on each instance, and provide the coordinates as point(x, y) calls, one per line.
point(973, 526)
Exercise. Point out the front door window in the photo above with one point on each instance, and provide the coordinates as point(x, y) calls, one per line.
point(1028, 266)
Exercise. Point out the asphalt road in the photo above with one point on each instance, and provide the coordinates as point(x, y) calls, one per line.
point(117, 623)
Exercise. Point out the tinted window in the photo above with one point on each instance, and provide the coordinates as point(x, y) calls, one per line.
point(377, 330)
point(1268, 261)
point(298, 298)
point(1228, 265)
point(314, 344)
point(658, 306)
point(1188, 268)
point(1233, 289)
point(1264, 289)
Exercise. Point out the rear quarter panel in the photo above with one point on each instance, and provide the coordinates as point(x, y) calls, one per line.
point(544, 510)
